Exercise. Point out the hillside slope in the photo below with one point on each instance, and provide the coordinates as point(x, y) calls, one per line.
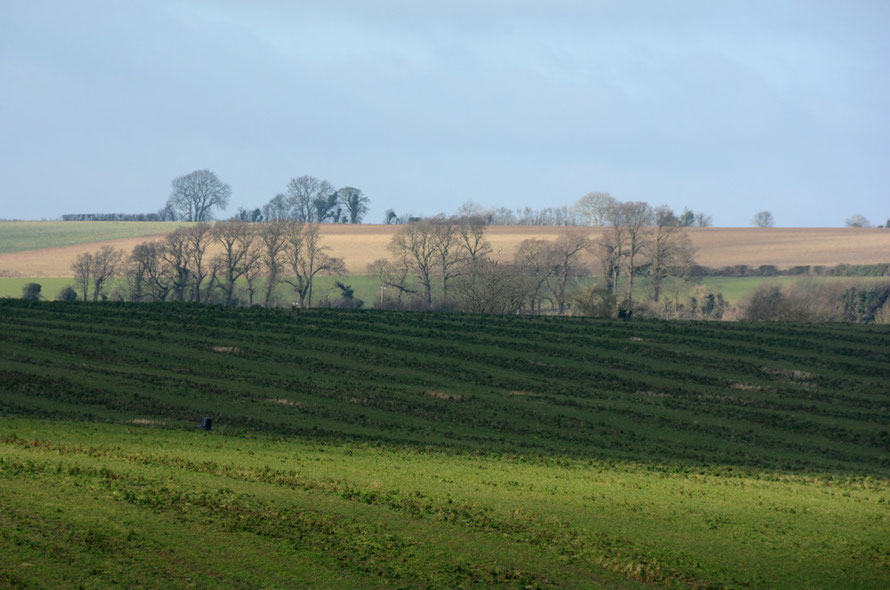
point(392, 450)
point(777, 396)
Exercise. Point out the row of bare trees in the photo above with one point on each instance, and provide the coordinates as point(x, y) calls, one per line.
point(640, 238)
point(439, 262)
point(592, 209)
point(451, 257)
point(205, 263)
point(92, 270)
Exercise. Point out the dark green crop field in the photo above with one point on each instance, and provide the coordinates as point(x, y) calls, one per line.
point(412, 450)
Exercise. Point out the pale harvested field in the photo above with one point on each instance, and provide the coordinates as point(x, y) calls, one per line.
point(56, 262)
point(717, 247)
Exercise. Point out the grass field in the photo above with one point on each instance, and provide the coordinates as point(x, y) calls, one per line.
point(367, 288)
point(21, 236)
point(424, 450)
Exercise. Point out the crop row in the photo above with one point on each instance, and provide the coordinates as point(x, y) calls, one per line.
point(792, 396)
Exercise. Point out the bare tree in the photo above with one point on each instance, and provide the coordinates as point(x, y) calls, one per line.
point(274, 239)
point(567, 250)
point(195, 195)
point(629, 223)
point(492, 287)
point(83, 272)
point(392, 273)
point(471, 238)
point(637, 218)
point(197, 239)
point(147, 273)
point(182, 270)
point(277, 209)
point(857, 221)
point(470, 209)
point(94, 270)
point(592, 207)
point(450, 256)
point(307, 258)
point(303, 194)
point(536, 260)
point(177, 254)
point(236, 240)
point(416, 243)
point(610, 252)
point(503, 216)
point(703, 219)
point(671, 251)
point(136, 271)
point(353, 202)
point(763, 219)
point(253, 262)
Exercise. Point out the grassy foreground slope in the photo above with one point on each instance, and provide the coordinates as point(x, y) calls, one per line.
point(426, 450)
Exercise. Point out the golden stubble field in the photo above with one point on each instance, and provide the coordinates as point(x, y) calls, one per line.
point(360, 245)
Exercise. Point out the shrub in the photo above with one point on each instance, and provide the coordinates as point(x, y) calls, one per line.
point(815, 301)
point(862, 302)
point(593, 301)
point(67, 294)
point(882, 316)
point(766, 304)
point(31, 292)
point(347, 299)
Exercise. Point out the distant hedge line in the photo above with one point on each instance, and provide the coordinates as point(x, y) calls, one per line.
point(114, 217)
point(768, 270)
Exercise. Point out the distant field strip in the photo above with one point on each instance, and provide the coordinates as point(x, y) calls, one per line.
point(360, 245)
point(21, 236)
point(778, 396)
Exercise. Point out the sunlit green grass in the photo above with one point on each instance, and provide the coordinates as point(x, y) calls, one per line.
point(49, 286)
point(20, 236)
point(109, 503)
point(367, 288)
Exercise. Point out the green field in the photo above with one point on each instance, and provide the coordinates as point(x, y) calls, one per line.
point(367, 288)
point(20, 236)
point(405, 450)
point(736, 289)
point(49, 286)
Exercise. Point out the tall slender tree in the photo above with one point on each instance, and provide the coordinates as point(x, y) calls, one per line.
point(273, 237)
point(416, 243)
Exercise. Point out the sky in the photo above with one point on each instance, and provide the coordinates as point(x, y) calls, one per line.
point(729, 108)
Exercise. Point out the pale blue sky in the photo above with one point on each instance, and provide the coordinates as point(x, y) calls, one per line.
point(726, 107)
